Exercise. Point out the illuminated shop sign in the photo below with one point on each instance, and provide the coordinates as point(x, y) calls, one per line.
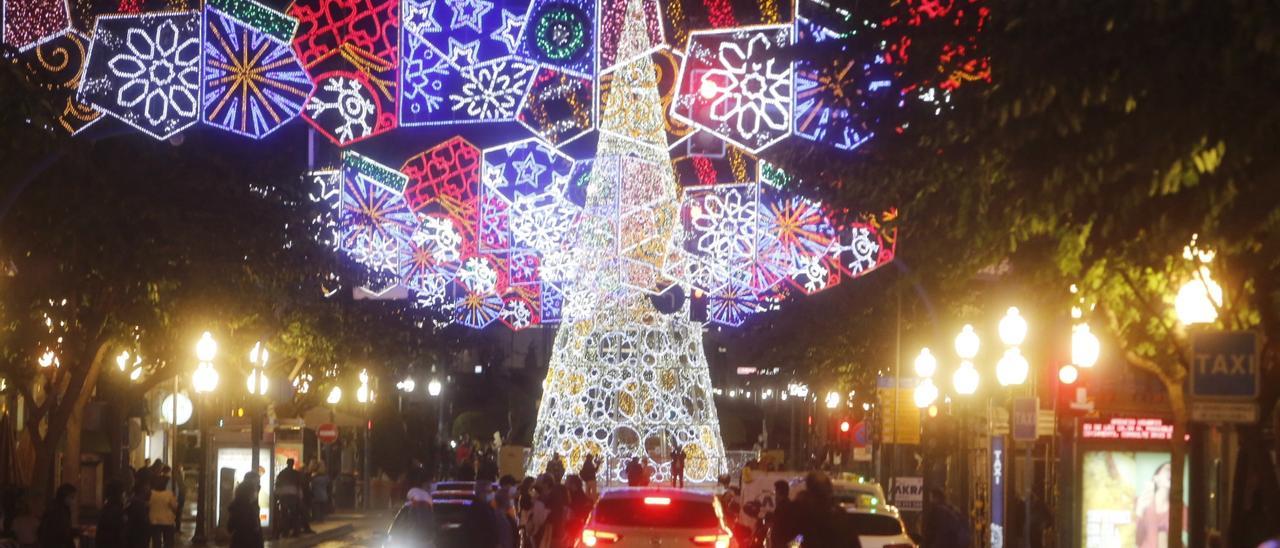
point(1127, 428)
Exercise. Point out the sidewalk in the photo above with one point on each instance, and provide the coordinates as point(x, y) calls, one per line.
point(367, 526)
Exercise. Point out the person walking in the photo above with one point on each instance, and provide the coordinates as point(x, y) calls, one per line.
point(941, 524)
point(782, 523)
point(137, 517)
point(320, 507)
point(817, 515)
point(588, 475)
point(478, 523)
point(56, 529)
point(635, 472)
point(288, 493)
point(163, 513)
point(242, 522)
point(111, 528)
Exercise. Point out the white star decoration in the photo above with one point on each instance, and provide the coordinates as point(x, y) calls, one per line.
point(468, 52)
point(469, 13)
point(527, 171)
point(509, 32)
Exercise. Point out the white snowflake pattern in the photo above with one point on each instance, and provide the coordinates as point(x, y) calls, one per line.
point(542, 225)
point(493, 91)
point(161, 72)
point(378, 251)
point(517, 314)
point(724, 225)
point(863, 250)
point(478, 276)
point(439, 235)
point(754, 88)
point(349, 100)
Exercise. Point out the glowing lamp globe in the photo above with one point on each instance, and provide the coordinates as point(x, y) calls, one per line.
point(257, 382)
point(926, 364)
point(183, 405)
point(363, 394)
point(1068, 374)
point(833, 399)
point(1012, 368)
point(844, 426)
point(433, 387)
point(925, 394)
point(407, 385)
point(335, 396)
point(258, 356)
point(206, 347)
point(1013, 327)
point(965, 379)
point(967, 343)
point(1085, 347)
point(205, 379)
point(1198, 299)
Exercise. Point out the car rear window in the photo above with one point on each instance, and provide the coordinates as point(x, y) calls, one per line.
point(872, 524)
point(634, 512)
point(451, 512)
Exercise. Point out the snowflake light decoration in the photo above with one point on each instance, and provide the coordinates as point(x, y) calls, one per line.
point(145, 70)
point(354, 96)
point(492, 91)
point(560, 34)
point(375, 220)
point(736, 85)
point(253, 81)
point(445, 180)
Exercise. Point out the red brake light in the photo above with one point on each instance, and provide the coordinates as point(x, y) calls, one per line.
point(591, 537)
point(719, 541)
point(657, 501)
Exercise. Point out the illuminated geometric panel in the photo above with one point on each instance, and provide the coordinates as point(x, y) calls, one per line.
point(524, 170)
point(28, 21)
point(737, 85)
point(839, 98)
point(253, 80)
point(442, 40)
point(666, 64)
point(375, 220)
point(60, 61)
point(327, 25)
point(559, 107)
point(431, 255)
point(445, 180)
point(523, 203)
point(145, 70)
point(491, 92)
point(354, 96)
point(561, 34)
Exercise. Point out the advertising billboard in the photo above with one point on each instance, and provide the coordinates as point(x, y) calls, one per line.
point(1126, 499)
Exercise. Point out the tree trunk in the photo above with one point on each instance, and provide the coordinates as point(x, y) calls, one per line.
point(1178, 450)
point(71, 453)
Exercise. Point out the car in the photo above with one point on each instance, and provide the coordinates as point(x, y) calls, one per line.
point(859, 494)
point(876, 528)
point(453, 488)
point(442, 526)
point(652, 517)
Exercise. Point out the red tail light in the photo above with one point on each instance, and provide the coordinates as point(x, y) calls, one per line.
point(657, 501)
point(591, 537)
point(718, 541)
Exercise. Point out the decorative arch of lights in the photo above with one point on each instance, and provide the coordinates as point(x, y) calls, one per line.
point(672, 220)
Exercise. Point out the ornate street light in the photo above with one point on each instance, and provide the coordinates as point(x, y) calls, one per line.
point(967, 343)
point(335, 396)
point(206, 348)
point(1012, 368)
point(1198, 299)
point(257, 381)
point(925, 394)
point(1012, 328)
point(1068, 374)
point(1085, 347)
point(926, 364)
point(204, 381)
point(407, 385)
point(433, 388)
point(965, 379)
point(833, 399)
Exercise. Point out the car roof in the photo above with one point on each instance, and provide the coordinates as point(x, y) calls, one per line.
point(641, 492)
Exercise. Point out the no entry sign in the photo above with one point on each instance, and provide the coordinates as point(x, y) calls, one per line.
point(327, 433)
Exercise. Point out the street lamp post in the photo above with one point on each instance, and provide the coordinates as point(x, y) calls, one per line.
point(434, 389)
point(364, 395)
point(257, 386)
point(204, 381)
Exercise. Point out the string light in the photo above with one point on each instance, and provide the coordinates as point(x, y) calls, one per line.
point(28, 21)
point(254, 82)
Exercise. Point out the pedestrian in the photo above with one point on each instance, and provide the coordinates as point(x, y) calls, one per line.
point(288, 497)
point(941, 524)
point(504, 520)
point(525, 503)
point(111, 527)
point(56, 529)
point(557, 502)
point(588, 475)
point(677, 467)
point(818, 515)
point(579, 506)
point(242, 521)
point(137, 517)
point(782, 523)
point(163, 513)
point(555, 467)
point(320, 501)
point(634, 472)
point(478, 522)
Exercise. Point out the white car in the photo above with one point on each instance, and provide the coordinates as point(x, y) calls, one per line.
point(652, 517)
point(877, 528)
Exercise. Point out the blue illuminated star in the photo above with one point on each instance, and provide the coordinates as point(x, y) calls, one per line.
point(469, 13)
point(509, 32)
point(468, 52)
point(527, 171)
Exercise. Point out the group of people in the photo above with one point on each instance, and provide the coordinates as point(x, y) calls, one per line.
point(150, 516)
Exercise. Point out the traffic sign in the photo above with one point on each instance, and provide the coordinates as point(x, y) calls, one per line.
point(1224, 412)
point(1224, 365)
point(1026, 414)
point(327, 433)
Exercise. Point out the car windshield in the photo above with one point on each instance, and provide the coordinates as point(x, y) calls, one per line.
point(872, 524)
point(672, 513)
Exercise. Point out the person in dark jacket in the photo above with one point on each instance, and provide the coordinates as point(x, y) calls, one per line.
point(941, 524)
point(243, 524)
point(782, 522)
point(56, 530)
point(111, 531)
point(817, 515)
point(479, 522)
point(137, 517)
point(555, 467)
